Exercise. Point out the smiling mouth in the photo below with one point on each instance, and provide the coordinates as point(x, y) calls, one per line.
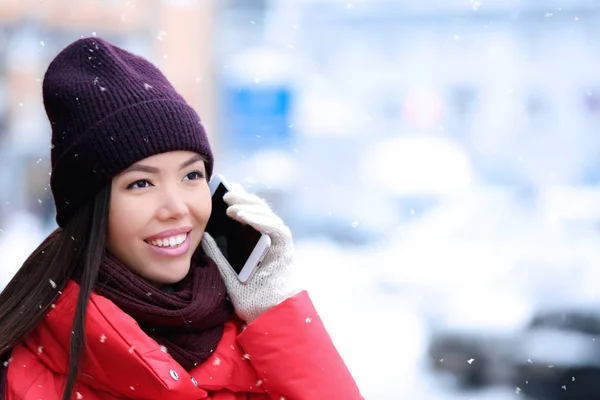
point(170, 242)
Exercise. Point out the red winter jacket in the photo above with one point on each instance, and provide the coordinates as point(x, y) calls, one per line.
point(285, 353)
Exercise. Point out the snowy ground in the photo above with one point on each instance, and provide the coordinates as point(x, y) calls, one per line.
point(380, 333)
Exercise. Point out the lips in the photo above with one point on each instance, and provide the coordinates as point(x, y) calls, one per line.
point(168, 234)
point(170, 241)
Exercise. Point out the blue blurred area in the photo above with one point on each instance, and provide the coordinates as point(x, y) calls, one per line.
point(263, 111)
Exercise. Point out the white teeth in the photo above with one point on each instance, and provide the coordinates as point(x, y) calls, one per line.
point(172, 241)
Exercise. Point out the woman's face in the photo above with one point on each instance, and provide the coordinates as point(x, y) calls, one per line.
point(159, 208)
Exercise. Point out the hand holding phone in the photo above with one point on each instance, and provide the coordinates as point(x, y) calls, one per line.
point(243, 246)
point(259, 285)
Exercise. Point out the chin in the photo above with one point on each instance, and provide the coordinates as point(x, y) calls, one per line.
point(173, 276)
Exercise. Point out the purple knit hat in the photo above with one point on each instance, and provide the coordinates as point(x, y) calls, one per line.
point(109, 109)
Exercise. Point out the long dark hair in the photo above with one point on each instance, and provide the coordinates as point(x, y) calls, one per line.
point(75, 251)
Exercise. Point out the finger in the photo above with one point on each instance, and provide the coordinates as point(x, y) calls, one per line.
point(234, 187)
point(267, 224)
point(253, 209)
point(247, 214)
point(232, 198)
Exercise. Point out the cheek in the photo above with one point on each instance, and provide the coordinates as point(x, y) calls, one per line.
point(201, 207)
point(115, 222)
point(123, 222)
point(206, 207)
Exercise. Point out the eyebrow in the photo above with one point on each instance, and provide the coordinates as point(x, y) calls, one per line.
point(154, 170)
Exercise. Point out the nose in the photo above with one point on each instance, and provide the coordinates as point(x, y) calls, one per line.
point(173, 206)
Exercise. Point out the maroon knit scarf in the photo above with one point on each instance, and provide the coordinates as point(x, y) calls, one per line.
point(187, 318)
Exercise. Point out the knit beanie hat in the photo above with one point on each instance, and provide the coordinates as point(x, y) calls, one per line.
point(108, 109)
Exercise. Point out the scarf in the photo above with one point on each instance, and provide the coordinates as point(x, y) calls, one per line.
point(186, 318)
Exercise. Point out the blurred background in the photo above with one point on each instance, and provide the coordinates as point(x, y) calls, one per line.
point(438, 162)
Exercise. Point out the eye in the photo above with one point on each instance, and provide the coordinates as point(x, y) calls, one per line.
point(142, 183)
point(194, 175)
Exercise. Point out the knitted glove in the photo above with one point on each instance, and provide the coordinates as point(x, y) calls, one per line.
point(272, 281)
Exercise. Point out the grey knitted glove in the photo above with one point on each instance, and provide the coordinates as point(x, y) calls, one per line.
point(272, 282)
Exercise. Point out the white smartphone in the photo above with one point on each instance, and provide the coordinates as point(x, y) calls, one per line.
point(242, 245)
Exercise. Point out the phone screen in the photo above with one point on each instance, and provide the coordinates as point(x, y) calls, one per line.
point(235, 240)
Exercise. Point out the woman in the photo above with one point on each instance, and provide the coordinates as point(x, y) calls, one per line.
point(129, 298)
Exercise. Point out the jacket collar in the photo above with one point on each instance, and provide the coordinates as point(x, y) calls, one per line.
point(121, 359)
